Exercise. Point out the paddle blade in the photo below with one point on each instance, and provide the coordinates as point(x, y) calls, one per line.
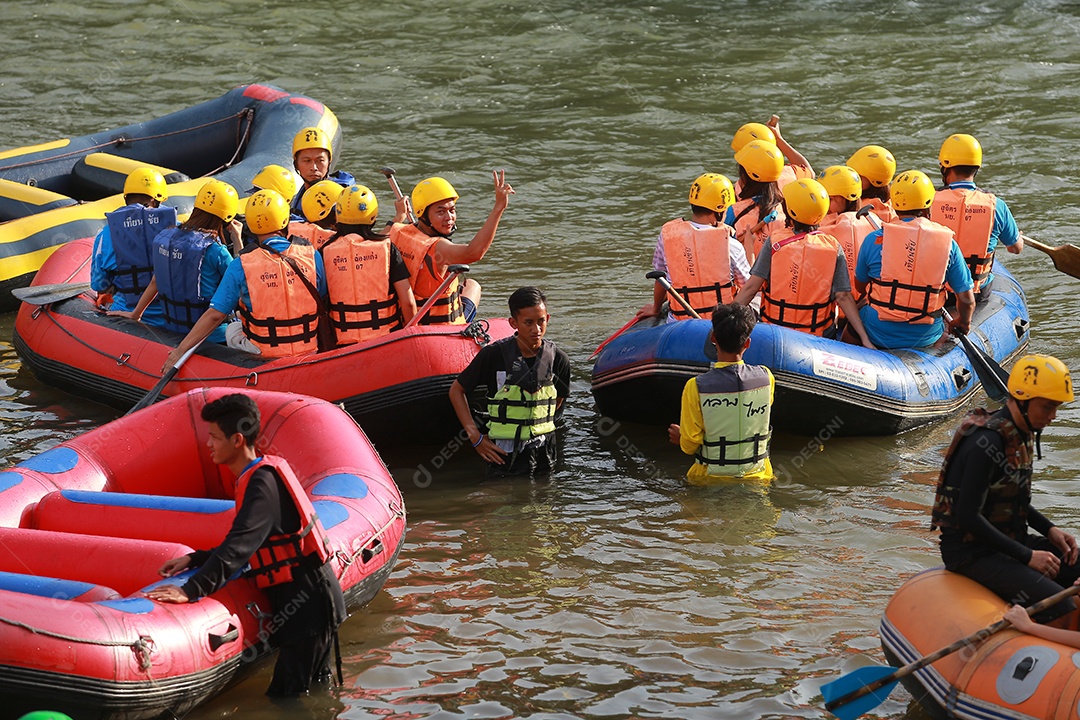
point(853, 681)
point(46, 294)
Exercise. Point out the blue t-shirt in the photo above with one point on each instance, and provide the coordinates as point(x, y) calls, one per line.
point(891, 334)
point(234, 287)
point(1004, 229)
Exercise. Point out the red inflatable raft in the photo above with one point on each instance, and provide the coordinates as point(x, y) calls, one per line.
point(85, 526)
point(395, 386)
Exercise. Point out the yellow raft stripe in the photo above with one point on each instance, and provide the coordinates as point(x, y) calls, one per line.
point(122, 165)
point(27, 194)
point(34, 148)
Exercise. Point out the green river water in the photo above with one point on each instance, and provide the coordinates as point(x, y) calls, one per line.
point(613, 590)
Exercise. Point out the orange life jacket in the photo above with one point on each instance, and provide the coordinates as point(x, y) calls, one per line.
point(284, 316)
point(699, 265)
point(849, 231)
point(362, 305)
point(417, 249)
point(746, 217)
point(790, 173)
point(970, 215)
point(881, 208)
point(311, 232)
point(798, 293)
point(914, 260)
point(273, 563)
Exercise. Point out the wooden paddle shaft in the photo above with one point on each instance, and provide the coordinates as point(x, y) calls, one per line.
point(662, 279)
point(452, 272)
point(949, 650)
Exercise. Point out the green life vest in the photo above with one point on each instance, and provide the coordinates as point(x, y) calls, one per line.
point(735, 410)
point(524, 406)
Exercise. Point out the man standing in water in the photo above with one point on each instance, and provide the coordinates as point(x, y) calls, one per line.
point(527, 379)
point(983, 503)
point(277, 532)
point(724, 421)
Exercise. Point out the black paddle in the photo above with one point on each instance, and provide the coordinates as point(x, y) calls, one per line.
point(862, 690)
point(662, 279)
point(46, 294)
point(151, 397)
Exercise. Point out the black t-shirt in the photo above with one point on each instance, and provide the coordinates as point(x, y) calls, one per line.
point(488, 369)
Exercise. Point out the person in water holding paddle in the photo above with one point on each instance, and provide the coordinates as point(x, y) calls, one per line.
point(277, 533)
point(905, 267)
point(724, 421)
point(704, 262)
point(983, 501)
point(527, 380)
point(120, 263)
point(978, 219)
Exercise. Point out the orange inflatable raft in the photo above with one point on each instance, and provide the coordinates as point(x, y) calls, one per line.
point(85, 526)
point(1008, 675)
point(395, 386)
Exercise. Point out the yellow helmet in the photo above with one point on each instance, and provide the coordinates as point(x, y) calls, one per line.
point(806, 201)
point(267, 212)
point(319, 199)
point(430, 191)
point(712, 191)
point(874, 163)
point(912, 190)
point(750, 132)
point(1040, 376)
point(357, 206)
point(960, 150)
point(219, 199)
point(312, 137)
point(761, 160)
point(842, 181)
point(146, 181)
point(277, 178)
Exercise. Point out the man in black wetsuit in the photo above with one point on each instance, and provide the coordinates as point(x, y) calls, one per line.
point(983, 504)
point(288, 563)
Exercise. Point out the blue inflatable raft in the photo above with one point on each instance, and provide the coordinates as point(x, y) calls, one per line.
point(820, 383)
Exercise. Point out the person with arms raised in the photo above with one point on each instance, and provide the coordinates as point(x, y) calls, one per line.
point(527, 380)
point(428, 249)
point(756, 213)
point(797, 166)
point(905, 268)
point(978, 219)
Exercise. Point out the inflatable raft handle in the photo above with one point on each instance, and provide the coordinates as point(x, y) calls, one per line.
point(858, 692)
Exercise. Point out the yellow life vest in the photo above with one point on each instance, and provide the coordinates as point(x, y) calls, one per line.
point(362, 305)
point(699, 265)
point(524, 406)
point(735, 411)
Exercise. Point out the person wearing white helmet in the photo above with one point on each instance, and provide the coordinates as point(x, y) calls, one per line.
point(982, 505)
point(979, 220)
point(120, 261)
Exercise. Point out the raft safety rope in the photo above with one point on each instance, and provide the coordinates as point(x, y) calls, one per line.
point(478, 331)
point(348, 560)
point(142, 648)
point(124, 139)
